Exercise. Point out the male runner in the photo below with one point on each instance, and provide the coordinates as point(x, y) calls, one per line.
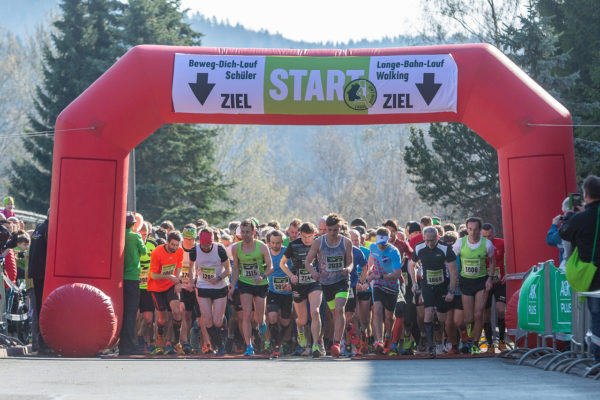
point(363, 293)
point(251, 267)
point(304, 286)
point(212, 269)
point(475, 253)
point(146, 305)
point(292, 232)
point(384, 270)
point(279, 298)
point(434, 256)
point(360, 261)
point(336, 264)
point(498, 291)
point(188, 292)
point(164, 284)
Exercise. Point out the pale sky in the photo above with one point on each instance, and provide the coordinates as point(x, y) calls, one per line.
point(318, 20)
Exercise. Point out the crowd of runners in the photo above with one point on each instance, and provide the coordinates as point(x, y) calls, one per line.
point(309, 290)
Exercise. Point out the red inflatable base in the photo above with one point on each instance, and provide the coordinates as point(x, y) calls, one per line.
point(78, 320)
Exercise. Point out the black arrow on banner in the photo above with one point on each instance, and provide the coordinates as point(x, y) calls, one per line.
point(201, 88)
point(428, 88)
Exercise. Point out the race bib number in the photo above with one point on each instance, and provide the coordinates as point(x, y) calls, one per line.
point(207, 273)
point(435, 276)
point(143, 277)
point(304, 276)
point(279, 284)
point(168, 269)
point(250, 270)
point(335, 263)
point(185, 274)
point(471, 267)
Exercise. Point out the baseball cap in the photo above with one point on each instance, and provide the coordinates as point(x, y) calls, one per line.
point(129, 218)
point(382, 239)
point(360, 229)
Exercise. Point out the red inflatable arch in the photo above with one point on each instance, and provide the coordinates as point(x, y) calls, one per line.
point(134, 98)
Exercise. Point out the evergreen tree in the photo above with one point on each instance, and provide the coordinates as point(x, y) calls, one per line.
point(457, 169)
point(578, 25)
point(533, 47)
point(176, 177)
point(82, 49)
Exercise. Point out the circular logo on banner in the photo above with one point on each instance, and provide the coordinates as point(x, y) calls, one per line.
point(360, 94)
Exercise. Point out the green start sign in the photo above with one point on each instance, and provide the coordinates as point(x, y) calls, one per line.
point(287, 85)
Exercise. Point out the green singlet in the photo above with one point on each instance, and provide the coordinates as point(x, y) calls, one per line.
point(473, 261)
point(145, 264)
point(251, 265)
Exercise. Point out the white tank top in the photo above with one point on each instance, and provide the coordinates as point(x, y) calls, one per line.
point(208, 266)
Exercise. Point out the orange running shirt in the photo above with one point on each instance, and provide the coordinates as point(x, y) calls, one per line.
point(164, 263)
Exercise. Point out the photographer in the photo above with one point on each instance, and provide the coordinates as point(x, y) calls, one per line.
point(579, 229)
point(553, 238)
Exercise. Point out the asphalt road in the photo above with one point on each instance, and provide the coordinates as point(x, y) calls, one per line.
point(306, 379)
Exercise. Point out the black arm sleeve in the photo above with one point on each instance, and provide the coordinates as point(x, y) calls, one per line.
point(222, 253)
point(193, 254)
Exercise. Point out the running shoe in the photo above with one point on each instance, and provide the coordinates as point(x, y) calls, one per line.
point(275, 353)
point(207, 349)
point(421, 348)
point(267, 348)
point(285, 348)
point(301, 339)
point(502, 345)
point(160, 341)
point(364, 344)
point(221, 351)
point(169, 349)
point(491, 349)
point(379, 348)
point(393, 350)
point(316, 351)
point(249, 351)
point(179, 349)
point(453, 350)
point(464, 348)
point(347, 351)
point(448, 347)
point(387, 343)
point(187, 349)
point(475, 350)
point(299, 351)
point(440, 349)
point(307, 351)
point(157, 351)
point(149, 348)
point(335, 350)
point(322, 349)
point(432, 351)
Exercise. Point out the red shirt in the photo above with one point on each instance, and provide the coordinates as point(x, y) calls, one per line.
point(499, 257)
point(404, 248)
point(415, 240)
point(164, 263)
